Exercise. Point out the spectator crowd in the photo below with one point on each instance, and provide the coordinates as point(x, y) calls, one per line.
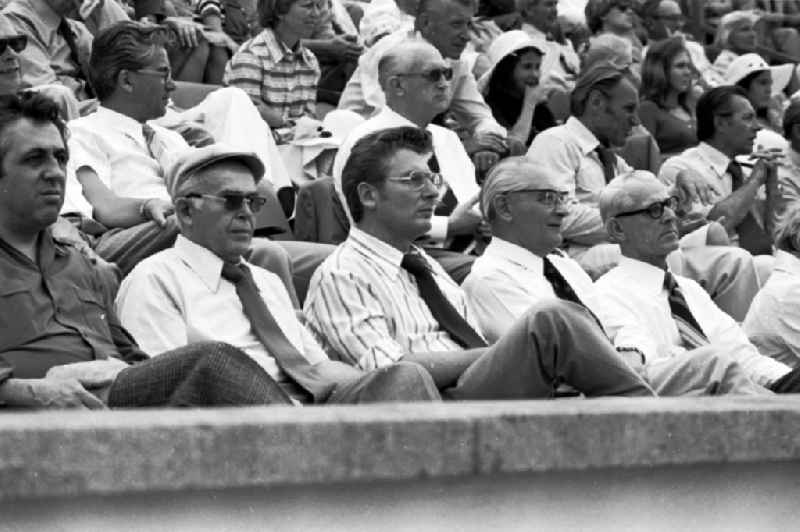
point(234, 202)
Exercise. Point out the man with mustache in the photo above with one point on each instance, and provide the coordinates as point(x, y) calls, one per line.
point(202, 289)
point(660, 313)
point(379, 299)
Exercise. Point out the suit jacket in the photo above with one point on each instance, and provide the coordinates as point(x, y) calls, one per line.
point(320, 215)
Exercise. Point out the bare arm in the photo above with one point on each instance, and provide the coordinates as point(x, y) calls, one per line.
point(734, 208)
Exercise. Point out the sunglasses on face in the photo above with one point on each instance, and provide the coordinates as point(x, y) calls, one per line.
point(433, 75)
point(17, 43)
point(233, 202)
point(655, 210)
point(417, 179)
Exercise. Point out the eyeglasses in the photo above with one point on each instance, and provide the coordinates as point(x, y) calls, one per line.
point(233, 201)
point(433, 75)
point(417, 179)
point(17, 43)
point(547, 197)
point(166, 73)
point(655, 210)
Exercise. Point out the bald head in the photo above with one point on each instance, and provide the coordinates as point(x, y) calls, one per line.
point(668, 8)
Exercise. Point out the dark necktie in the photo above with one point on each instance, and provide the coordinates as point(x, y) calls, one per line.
point(83, 71)
point(608, 159)
point(691, 333)
point(562, 288)
point(443, 312)
point(149, 134)
point(751, 236)
point(266, 329)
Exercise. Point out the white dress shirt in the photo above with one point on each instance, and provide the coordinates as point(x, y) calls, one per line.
point(773, 321)
point(568, 151)
point(454, 164)
point(178, 297)
point(635, 312)
point(367, 309)
point(789, 181)
point(113, 145)
point(507, 279)
point(364, 95)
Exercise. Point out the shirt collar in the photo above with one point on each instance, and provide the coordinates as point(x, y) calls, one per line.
point(385, 256)
point(787, 262)
point(391, 118)
point(278, 49)
point(645, 275)
point(202, 261)
point(121, 122)
point(718, 160)
point(504, 249)
point(586, 139)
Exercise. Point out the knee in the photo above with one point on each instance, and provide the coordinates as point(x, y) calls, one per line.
point(410, 376)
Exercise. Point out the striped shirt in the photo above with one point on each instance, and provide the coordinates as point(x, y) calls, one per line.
point(367, 310)
point(267, 70)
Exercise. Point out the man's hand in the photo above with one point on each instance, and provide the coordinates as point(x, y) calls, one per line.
point(345, 48)
point(483, 160)
point(464, 220)
point(48, 393)
point(488, 141)
point(516, 146)
point(157, 210)
point(91, 374)
point(188, 32)
point(691, 187)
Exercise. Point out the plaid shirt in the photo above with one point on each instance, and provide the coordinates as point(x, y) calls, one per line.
point(283, 79)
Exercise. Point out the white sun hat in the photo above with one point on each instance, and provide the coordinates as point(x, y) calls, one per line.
point(505, 45)
point(747, 64)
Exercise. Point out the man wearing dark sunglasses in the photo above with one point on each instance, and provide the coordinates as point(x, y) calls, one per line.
point(202, 288)
point(525, 205)
point(10, 46)
point(659, 312)
point(416, 81)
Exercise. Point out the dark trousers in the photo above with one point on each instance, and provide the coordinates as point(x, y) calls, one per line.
point(789, 383)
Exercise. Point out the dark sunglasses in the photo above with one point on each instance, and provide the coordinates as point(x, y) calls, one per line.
point(655, 210)
point(17, 43)
point(433, 75)
point(233, 201)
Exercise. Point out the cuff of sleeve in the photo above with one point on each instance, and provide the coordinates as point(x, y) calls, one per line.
point(633, 353)
point(438, 230)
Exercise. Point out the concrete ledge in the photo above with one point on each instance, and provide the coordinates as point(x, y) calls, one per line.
point(53, 454)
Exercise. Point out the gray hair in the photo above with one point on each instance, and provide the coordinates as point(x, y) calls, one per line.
point(788, 228)
point(404, 55)
point(619, 195)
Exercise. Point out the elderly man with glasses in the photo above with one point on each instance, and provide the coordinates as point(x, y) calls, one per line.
point(662, 315)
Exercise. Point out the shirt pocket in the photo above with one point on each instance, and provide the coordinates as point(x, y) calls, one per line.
point(18, 314)
point(94, 313)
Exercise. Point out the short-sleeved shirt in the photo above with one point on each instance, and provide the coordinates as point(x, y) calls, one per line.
point(267, 70)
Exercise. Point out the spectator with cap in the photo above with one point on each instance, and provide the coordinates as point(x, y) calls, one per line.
point(522, 266)
point(514, 87)
point(202, 289)
point(668, 99)
point(604, 105)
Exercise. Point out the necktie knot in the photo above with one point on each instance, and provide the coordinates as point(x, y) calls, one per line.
point(233, 272)
point(670, 284)
point(415, 264)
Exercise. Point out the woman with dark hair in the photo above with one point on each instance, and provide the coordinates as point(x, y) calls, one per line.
point(666, 92)
point(511, 85)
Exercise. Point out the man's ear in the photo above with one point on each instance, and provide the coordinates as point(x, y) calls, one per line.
point(124, 81)
point(616, 233)
point(183, 211)
point(395, 85)
point(502, 209)
point(368, 196)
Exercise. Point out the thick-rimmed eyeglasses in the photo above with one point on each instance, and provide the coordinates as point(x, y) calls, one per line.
point(165, 74)
point(547, 197)
point(655, 210)
point(234, 202)
point(417, 179)
point(16, 43)
point(433, 75)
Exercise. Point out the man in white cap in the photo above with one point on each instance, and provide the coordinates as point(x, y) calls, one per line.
point(661, 313)
point(525, 205)
point(416, 100)
point(202, 289)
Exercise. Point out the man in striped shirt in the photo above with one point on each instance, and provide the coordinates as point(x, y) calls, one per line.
point(379, 299)
point(274, 68)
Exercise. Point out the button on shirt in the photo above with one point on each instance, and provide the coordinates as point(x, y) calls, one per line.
point(267, 70)
point(507, 279)
point(368, 310)
point(773, 321)
point(54, 312)
point(569, 151)
point(454, 164)
point(47, 58)
point(178, 297)
point(636, 313)
point(363, 93)
point(113, 145)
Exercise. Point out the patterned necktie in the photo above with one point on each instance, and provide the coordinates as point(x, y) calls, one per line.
point(269, 333)
point(691, 333)
point(443, 311)
point(608, 159)
point(751, 236)
point(562, 288)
